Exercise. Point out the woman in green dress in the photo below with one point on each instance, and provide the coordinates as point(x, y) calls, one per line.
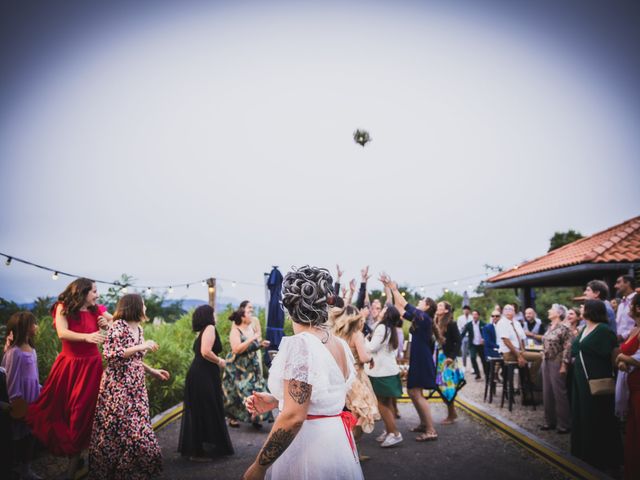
point(595, 433)
point(243, 374)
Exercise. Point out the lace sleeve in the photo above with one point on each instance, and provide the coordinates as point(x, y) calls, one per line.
point(297, 363)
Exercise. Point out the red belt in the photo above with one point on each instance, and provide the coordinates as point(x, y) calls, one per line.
point(348, 421)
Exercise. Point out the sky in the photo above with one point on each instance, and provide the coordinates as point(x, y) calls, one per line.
point(179, 141)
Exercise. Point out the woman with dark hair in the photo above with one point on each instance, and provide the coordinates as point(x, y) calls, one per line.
point(203, 432)
point(123, 444)
point(62, 417)
point(595, 435)
point(243, 373)
point(422, 370)
point(449, 375)
point(309, 380)
point(385, 373)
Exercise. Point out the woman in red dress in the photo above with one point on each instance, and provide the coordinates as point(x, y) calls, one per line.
point(62, 416)
point(628, 361)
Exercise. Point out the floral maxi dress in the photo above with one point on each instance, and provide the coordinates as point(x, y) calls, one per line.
point(123, 444)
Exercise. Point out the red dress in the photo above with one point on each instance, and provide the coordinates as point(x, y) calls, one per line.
point(62, 417)
point(632, 436)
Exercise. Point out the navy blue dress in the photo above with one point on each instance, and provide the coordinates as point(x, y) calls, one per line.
point(422, 370)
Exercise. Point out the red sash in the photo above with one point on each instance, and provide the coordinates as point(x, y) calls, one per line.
point(348, 421)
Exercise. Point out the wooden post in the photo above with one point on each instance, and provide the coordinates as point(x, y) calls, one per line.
point(211, 283)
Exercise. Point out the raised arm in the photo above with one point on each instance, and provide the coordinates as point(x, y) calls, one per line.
point(361, 348)
point(352, 289)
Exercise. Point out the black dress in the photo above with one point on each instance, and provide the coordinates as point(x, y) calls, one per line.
point(204, 431)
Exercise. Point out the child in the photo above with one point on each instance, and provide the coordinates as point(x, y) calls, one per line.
point(21, 364)
point(123, 444)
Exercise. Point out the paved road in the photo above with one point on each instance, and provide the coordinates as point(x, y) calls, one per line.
point(468, 449)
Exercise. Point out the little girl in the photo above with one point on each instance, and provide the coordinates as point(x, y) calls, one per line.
point(123, 444)
point(21, 364)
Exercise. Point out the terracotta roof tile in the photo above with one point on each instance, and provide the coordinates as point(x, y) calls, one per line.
point(617, 244)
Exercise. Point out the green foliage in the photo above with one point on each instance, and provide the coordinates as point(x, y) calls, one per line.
point(560, 239)
point(42, 306)
point(545, 297)
point(7, 308)
point(48, 346)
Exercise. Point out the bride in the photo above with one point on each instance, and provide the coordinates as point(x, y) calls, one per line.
point(309, 380)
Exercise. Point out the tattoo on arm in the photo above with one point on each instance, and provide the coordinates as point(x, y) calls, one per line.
point(299, 391)
point(275, 446)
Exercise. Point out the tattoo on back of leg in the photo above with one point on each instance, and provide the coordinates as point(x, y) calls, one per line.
point(299, 391)
point(277, 443)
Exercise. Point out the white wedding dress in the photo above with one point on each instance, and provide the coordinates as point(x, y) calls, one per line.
point(321, 450)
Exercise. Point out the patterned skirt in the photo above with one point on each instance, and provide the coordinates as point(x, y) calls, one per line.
point(449, 379)
point(362, 402)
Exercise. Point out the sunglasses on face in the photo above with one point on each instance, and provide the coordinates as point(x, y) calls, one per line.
point(495, 316)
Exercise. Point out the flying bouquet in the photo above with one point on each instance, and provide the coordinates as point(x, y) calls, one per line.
point(361, 137)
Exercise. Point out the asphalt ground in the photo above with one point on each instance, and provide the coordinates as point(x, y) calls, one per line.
point(468, 449)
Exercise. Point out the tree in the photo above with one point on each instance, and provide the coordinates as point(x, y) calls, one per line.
point(560, 239)
point(42, 307)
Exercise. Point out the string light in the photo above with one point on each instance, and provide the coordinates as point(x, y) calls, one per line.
point(204, 284)
point(446, 290)
point(149, 290)
point(124, 290)
point(8, 262)
point(212, 289)
point(170, 289)
point(404, 294)
point(55, 275)
point(233, 284)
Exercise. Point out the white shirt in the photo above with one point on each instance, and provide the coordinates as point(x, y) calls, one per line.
point(462, 321)
point(477, 336)
point(384, 358)
point(509, 329)
point(624, 322)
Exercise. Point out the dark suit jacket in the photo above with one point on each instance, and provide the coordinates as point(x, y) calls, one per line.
point(468, 330)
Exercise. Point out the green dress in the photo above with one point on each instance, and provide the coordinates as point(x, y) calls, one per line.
point(243, 376)
point(595, 433)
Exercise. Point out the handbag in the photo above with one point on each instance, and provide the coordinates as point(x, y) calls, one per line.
point(599, 386)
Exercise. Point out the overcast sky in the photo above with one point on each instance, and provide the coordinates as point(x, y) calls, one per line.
point(180, 141)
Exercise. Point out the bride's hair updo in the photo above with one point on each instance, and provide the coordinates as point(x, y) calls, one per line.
point(307, 294)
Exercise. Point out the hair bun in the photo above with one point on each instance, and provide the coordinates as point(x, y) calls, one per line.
point(307, 293)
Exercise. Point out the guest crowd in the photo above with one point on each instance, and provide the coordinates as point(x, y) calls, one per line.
point(585, 361)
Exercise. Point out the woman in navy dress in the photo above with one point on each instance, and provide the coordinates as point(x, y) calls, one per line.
point(422, 370)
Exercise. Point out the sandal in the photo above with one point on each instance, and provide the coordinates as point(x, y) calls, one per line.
point(419, 429)
point(234, 423)
point(427, 437)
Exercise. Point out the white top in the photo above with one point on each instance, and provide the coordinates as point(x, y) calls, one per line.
point(304, 357)
point(505, 329)
point(462, 321)
point(477, 336)
point(384, 357)
point(624, 322)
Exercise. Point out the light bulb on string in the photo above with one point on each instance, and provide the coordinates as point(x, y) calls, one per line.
point(233, 284)
point(204, 283)
point(8, 262)
point(149, 290)
point(404, 294)
point(446, 290)
point(54, 276)
point(124, 290)
point(212, 289)
point(170, 289)
point(422, 289)
point(187, 286)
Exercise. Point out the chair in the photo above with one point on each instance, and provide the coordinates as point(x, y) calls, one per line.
point(508, 389)
point(494, 365)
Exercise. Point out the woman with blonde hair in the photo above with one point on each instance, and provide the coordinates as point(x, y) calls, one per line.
point(347, 323)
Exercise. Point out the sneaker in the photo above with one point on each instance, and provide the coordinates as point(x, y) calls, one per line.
point(391, 440)
point(380, 438)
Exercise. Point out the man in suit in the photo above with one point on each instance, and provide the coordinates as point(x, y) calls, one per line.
point(490, 338)
point(476, 343)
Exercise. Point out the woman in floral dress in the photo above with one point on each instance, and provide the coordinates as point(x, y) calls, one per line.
point(123, 444)
point(243, 374)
